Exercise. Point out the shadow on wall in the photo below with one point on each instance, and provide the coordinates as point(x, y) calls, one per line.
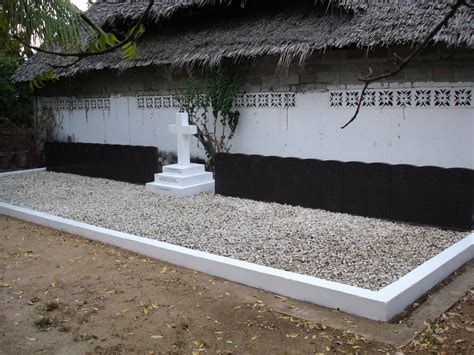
point(167, 158)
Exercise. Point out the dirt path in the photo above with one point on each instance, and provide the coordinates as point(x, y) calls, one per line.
point(63, 294)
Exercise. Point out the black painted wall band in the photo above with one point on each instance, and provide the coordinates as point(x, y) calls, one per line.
point(428, 195)
point(135, 164)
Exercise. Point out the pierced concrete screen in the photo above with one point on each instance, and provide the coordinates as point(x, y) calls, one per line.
point(403, 98)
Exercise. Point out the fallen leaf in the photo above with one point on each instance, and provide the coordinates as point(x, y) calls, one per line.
point(32, 339)
point(156, 337)
point(254, 338)
point(291, 335)
point(200, 344)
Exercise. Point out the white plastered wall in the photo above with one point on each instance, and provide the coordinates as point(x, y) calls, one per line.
point(437, 136)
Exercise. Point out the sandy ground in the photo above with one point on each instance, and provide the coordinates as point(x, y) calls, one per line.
point(63, 294)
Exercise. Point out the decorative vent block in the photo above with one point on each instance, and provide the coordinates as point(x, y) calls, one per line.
point(248, 100)
point(99, 103)
point(157, 102)
point(266, 100)
point(399, 98)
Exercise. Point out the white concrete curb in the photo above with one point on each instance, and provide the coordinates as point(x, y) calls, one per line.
point(378, 305)
point(403, 292)
point(16, 172)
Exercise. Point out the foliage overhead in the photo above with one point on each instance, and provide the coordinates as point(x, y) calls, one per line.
point(60, 29)
point(50, 22)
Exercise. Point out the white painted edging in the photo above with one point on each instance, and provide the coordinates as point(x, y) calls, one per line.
point(378, 305)
point(27, 171)
point(403, 292)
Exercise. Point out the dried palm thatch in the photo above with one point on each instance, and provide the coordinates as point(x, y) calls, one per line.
point(291, 34)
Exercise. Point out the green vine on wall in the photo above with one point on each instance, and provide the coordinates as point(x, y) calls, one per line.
point(210, 108)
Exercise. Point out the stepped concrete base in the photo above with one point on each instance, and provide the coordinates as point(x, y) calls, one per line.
point(181, 181)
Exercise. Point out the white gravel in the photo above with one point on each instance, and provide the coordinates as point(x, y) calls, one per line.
point(359, 251)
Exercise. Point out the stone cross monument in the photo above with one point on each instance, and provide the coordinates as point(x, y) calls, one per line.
point(184, 178)
point(183, 131)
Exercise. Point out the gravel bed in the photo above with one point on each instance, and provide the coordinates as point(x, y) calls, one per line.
point(359, 251)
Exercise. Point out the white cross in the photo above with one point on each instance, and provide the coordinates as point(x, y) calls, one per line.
point(184, 132)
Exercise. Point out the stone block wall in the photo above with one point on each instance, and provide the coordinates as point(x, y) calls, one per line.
point(320, 72)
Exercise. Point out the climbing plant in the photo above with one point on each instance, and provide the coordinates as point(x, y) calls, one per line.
point(209, 104)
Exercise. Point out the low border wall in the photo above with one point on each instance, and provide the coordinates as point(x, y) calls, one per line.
point(135, 164)
point(382, 305)
point(428, 195)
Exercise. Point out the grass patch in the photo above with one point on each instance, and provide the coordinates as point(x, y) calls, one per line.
point(51, 306)
point(43, 322)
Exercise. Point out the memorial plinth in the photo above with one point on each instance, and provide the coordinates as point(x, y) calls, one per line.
point(184, 178)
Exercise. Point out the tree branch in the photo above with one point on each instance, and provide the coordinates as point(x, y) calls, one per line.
point(91, 23)
point(65, 66)
point(85, 54)
point(403, 62)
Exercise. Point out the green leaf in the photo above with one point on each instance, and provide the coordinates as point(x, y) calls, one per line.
point(102, 42)
point(130, 50)
point(110, 39)
point(40, 80)
point(139, 32)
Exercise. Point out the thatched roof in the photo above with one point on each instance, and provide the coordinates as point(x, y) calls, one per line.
point(181, 32)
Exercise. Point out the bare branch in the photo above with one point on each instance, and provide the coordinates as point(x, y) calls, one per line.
point(91, 23)
point(64, 66)
point(359, 104)
point(403, 62)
